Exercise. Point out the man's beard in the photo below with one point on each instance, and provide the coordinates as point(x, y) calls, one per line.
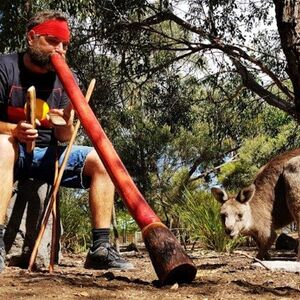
point(40, 58)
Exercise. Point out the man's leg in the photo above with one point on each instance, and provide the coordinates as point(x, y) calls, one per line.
point(101, 194)
point(101, 198)
point(8, 154)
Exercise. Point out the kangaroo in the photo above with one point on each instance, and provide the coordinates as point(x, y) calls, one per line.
point(271, 202)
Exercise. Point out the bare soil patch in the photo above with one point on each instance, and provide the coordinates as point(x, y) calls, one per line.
point(219, 276)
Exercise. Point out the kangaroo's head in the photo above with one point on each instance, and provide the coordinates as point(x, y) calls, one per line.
point(235, 211)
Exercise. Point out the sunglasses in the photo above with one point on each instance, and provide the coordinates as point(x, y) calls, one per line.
point(54, 41)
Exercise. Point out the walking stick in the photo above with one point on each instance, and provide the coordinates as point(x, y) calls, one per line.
point(54, 208)
point(54, 219)
point(55, 187)
point(170, 261)
point(30, 114)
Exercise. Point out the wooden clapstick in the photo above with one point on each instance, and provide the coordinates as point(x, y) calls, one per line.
point(57, 120)
point(30, 113)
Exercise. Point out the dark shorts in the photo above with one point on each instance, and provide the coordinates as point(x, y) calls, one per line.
point(40, 164)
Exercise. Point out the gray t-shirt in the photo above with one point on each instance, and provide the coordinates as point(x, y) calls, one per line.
point(15, 79)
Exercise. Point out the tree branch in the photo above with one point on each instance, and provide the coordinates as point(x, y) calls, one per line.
point(214, 169)
point(236, 54)
point(270, 98)
point(288, 24)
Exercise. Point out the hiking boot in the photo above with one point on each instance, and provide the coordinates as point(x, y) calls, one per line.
point(106, 257)
point(2, 259)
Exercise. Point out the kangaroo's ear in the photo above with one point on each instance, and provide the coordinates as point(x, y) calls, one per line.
point(246, 194)
point(219, 194)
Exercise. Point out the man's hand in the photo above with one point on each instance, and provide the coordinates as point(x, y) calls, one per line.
point(24, 132)
point(64, 132)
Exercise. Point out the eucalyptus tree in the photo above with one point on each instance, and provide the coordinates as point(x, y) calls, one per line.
point(233, 48)
point(255, 40)
point(178, 82)
point(253, 43)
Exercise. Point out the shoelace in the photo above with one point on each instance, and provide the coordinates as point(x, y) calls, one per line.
point(113, 253)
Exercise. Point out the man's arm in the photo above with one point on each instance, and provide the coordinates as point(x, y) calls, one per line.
point(64, 132)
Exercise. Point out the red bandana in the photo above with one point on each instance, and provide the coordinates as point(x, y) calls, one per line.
point(57, 28)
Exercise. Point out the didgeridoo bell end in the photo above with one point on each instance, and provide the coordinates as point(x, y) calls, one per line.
point(170, 262)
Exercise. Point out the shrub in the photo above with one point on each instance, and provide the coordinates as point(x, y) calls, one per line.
point(200, 214)
point(75, 216)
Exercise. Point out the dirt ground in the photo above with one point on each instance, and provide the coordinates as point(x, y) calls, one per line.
point(219, 276)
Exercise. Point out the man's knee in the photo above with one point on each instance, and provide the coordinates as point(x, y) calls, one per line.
point(93, 165)
point(8, 148)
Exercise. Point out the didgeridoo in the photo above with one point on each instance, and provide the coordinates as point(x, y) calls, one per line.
point(169, 260)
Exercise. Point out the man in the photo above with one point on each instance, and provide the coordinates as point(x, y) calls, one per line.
point(48, 32)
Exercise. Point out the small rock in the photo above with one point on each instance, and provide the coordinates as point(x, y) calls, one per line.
point(82, 294)
point(175, 286)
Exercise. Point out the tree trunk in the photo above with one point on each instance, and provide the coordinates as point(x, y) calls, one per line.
point(288, 23)
point(23, 222)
